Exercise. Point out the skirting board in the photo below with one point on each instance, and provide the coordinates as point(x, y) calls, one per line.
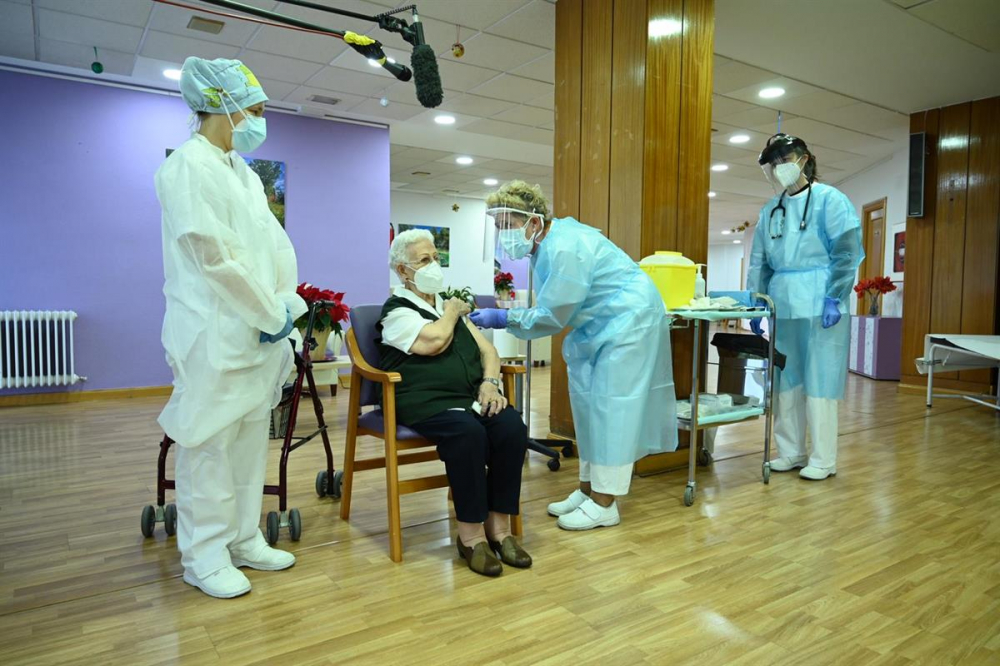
point(27, 399)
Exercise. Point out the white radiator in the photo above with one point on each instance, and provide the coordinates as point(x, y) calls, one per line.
point(36, 348)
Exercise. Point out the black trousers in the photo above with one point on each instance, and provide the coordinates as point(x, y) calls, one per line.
point(483, 458)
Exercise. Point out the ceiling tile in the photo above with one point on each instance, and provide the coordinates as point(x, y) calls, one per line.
point(163, 46)
point(301, 45)
point(78, 55)
point(723, 107)
point(512, 88)
point(811, 103)
point(536, 170)
point(758, 118)
point(280, 68)
point(395, 111)
point(736, 75)
point(358, 83)
point(349, 59)
point(535, 23)
point(976, 21)
point(425, 154)
point(302, 94)
point(477, 14)
point(526, 115)
point(814, 131)
point(864, 117)
point(277, 89)
point(16, 18)
point(174, 20)
point(546, 101)
point(128, 12)
point(543, 69)
point(72, 29)
point(336, 21)
point(461, 76)
point(497, 52)
point(18, 44)
point(473, 105)
point(509, 131)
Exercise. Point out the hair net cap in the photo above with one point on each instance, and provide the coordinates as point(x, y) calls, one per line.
point(214, 86)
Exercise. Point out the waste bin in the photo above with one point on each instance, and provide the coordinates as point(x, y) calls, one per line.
point(742, 363)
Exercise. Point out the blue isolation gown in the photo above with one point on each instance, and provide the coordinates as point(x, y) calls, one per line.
point(798, 271)
point(617, 355)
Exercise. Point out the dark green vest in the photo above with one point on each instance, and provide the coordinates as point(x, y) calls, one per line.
point(431, 384)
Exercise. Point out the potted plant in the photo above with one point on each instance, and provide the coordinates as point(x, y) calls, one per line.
point(874, 288)
point(327, 321)
point(503, 287)
point(461, 294)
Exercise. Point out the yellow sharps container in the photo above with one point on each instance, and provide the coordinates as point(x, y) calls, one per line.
point(674, 276)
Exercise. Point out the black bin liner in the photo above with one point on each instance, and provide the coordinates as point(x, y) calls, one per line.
point(752, 346)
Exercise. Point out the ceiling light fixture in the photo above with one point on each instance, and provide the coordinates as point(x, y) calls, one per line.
point(464, 161)
point(739, 138)
point(726, 232)
point(711, 195)
point(720, 167)
point(771, 93)
point(172, 74)
point(491, 182)
point(443, 119)
point(737, 242)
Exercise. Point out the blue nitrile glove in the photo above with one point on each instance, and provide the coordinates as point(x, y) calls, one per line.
point(831, 312)
point(283, 333)
point(755, 326)
point(489, 318)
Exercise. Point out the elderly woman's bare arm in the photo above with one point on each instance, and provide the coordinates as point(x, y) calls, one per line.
point(434, 338)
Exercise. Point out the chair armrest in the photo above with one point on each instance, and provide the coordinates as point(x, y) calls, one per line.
point(512, 370)
point(364, 368)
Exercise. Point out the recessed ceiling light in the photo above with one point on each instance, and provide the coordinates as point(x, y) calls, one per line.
point(711, 195)
point(464, 161)
point(771, 93)
point(720, 167)
point(491, 182)
point(737, 242)
point(172, 74)
point(664, 27)
point(443, 119)
point(726, 232)
point(739, 138)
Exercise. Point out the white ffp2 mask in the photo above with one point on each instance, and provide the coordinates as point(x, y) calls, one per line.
point(788, 174)
point(429, 279)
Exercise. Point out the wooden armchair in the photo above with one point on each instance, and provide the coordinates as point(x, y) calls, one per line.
point(403, 446)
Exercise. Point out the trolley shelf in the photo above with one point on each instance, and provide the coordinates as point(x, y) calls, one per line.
point(715, 420)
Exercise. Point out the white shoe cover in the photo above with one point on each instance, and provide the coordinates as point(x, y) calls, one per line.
point(568, 505)
point(817, 473)
point(266, 559)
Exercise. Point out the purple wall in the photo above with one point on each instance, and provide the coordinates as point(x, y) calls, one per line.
point(80, 223)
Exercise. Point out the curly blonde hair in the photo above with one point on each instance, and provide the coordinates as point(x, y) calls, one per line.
point(518, 194)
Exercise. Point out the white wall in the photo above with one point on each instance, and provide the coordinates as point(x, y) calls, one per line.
point(467, 266)
point(724, 267)
point(887, 179)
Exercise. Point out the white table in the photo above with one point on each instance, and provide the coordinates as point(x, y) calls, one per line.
point(327, 372)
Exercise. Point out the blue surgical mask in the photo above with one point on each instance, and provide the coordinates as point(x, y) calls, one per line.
point(249, 134)
point(515, 244)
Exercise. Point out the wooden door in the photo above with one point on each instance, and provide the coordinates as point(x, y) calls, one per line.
point(873, 234)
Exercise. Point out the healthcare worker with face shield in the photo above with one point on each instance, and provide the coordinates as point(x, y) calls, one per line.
point(617, 355)
point(806, 253)
point(231, 276)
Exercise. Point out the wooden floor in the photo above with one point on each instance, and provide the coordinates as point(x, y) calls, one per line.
point(894, 561)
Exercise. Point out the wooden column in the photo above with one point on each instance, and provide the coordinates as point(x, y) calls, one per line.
point(640, 112)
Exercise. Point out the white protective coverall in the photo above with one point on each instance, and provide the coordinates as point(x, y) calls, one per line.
point(230, 273)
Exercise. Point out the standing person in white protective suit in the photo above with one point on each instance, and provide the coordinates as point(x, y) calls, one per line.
point(617, 356)
point(230, 286)
point(806, 253)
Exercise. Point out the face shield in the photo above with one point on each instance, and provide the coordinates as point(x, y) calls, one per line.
point(509, 228)
point(783, 160)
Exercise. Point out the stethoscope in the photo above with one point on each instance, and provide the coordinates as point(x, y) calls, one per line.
point(784, 214)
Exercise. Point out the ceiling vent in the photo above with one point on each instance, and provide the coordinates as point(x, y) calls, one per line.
point(421, 173)
point(205, 25)
point(323, 99)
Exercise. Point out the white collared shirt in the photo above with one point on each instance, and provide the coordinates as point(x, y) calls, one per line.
point(402, 326)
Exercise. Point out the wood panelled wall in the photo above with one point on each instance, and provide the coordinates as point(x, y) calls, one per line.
point(953, 251)
point(632, 137)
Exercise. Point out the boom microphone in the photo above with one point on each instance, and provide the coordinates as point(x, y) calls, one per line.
point(427, 79)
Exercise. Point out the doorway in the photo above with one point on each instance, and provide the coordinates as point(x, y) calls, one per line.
point(873, 235)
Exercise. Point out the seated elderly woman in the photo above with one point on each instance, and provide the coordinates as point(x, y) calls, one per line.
point(450, 394)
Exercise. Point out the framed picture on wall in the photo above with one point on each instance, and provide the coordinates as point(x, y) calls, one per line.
point(898, 251)
point(442, 240)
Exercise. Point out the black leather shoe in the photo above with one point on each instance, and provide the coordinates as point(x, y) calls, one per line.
point(511, 553)
point(480, 558)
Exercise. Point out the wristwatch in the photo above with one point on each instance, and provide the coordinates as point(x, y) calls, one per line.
point(495, 382)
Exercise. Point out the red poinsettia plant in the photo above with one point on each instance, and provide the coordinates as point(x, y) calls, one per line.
point(328, 317)
point(874, 288)
point(503, 283)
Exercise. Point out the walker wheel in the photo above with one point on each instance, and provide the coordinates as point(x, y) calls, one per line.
point(170, 519)
point(148, 520)
point(321, 479)
point(294, 524)
point(704, 458)
point(766, 473)
point(273, 523)
point(688, 496)
point(338, 482)
point(554, 464)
